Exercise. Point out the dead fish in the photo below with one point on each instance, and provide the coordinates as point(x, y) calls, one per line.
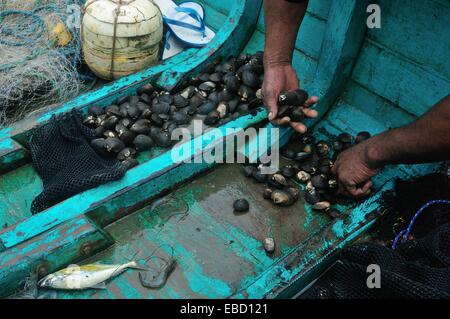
point(159, 280)
point(84, 277)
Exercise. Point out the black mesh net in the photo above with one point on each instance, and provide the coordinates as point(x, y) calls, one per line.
point(416, 269)
point(66, 162)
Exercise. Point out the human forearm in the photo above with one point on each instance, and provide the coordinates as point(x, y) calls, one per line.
point(282, 21)
point(425, 140)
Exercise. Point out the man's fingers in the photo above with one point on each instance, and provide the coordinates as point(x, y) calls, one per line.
point(311, 101)
point(271, 104)
point(310, 113)
point(359, 191)
point(283, 121)
point(299, 127)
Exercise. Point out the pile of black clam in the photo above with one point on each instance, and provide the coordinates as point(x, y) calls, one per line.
point(311, 167)
point(139, 122)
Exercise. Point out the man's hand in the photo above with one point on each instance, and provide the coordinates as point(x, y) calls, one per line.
point(354, 169)
point(279, 78)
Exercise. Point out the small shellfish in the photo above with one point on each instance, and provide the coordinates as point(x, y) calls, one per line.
point(110, 122)
point(114, 145)
point(99, 145)
point(130, 162)
point(250, 79)
point(362, 136)
point(212, 118)
point(96, 110)
point(179, 101)
point(207, 86)
point(320, 181)
point(206, 108)
point(232, 84)
point(146, 89)
point(225, 96)
point(163, 139)
point(141, 126)
point(222, 109)
point(126, 153)
point(267, 193)
point(281, 198)
point(90, 121)
point(196, 100)
point(322, 205)
point(288, 171)
point(297, 115)
point(278, 181)
point(259, 177)
point(243, 108)
point(246, 93)
point(113, 110)
point(161, 108)
point(312, 197)
point(322, 148)
point(269, 245)
point(248, 170)
point(241, 205)
point(143, 142)
point(303, 176)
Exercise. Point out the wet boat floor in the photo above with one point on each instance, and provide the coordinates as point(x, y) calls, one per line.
point(219, 252)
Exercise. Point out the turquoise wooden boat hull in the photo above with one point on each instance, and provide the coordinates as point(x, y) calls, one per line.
point(367, 79)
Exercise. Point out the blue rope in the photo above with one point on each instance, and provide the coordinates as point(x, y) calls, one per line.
point(405, 232)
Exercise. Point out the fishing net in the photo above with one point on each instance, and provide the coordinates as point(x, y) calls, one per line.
point(417, 268)
point(40, 55)
point(66, 162)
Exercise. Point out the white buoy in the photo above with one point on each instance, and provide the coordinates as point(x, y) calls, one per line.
point(120, 37)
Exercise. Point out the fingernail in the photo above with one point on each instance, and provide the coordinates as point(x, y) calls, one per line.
point(270, 116)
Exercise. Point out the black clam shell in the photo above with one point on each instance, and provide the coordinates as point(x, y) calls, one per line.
point(362, 136)
point(250, 79)
point(180, 117)
point(206, 108)
point(114, 145)
point(99, 145)
point(165, 98)
point(113, 110)
point(95, 110)
point(180, 101)
point(163, 139)
point(232, 84)
point(143, 142)
point(297, 115)
point(130, 163)
point(127, 152)
point(146, 89)
point(141, 126)
point(248, 170)
point(320, 181)
point(161, 108)
point(196, 100)
point(212, 118)
point(241, 205)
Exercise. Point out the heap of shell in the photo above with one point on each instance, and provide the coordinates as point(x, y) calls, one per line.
point(139, 122)
point(311, 166)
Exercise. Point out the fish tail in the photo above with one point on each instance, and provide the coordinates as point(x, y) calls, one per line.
point(135, 265)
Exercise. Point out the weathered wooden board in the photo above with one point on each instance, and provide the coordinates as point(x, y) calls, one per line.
point(65, 244)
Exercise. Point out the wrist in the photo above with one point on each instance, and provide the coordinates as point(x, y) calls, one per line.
point(272, 60)
point(374, 155)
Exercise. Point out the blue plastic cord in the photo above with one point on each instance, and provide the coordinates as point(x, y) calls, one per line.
point(405, 232)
